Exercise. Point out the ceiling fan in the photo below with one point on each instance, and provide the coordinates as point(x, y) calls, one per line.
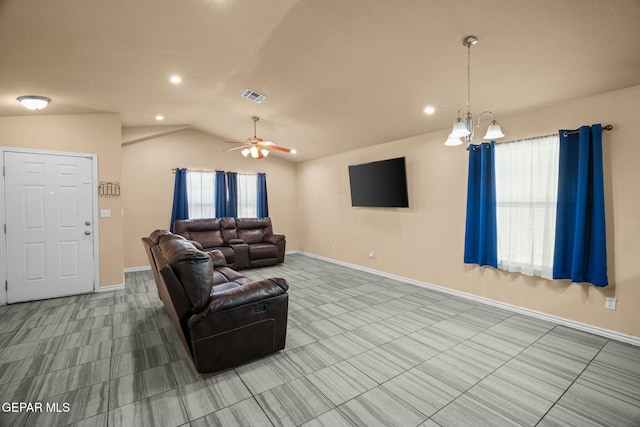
point(257, 147)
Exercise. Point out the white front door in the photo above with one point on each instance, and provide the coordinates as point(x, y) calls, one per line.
point(49, 225)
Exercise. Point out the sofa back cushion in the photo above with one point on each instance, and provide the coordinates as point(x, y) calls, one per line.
point(251, 235)
point(205, 231)
point(192, 267)
point(155, 236)
point(253, 230)
point(228, 226)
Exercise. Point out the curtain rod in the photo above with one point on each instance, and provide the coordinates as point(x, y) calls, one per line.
point(569, 132)
point(210, 170)
point(573, 132)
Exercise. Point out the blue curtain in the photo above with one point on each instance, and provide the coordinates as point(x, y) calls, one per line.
point(263, 204)
point(232, 194)
point(580, 252)
point(481, 238)
point(180, 204)
point(220, 201)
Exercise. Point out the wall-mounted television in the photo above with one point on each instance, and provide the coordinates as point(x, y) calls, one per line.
point(379, 184)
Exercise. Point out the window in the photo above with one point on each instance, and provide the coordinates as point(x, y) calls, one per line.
point(526, 196)
point(201, 187)
point(201, 194)
point(247, 196)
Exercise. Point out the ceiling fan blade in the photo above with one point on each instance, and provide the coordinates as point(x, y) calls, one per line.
point(260, 155)
point(236, 148)
point(278, 148)
point(236, 142)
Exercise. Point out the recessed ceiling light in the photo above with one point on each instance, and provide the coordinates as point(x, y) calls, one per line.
point(429, 110)
point(175, 80)
point(159, 117)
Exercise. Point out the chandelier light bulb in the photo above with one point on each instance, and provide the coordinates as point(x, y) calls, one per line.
point(460, 129)
point(452, 141)
point(494, 131)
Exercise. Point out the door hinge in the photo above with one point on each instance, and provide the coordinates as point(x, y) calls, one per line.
point(5, 228)
point(6, 285)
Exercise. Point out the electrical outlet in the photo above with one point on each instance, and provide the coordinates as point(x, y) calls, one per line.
point(610, 303)
point(372, 255)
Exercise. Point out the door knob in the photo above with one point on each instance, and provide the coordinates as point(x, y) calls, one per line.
point(87, 233)
point(87, 223)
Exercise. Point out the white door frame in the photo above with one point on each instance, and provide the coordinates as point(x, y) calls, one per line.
point(94, 220)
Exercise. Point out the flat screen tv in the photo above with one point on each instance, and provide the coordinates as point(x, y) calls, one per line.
point(379, 184)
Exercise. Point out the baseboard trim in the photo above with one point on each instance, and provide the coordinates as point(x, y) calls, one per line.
point(295, 251)
point(110, 288)
point(135, 269)
point(607, 333)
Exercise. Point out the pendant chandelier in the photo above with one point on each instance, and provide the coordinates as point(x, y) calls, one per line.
point(463, 127)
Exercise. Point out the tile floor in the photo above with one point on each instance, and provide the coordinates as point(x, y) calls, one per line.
point(362, 350)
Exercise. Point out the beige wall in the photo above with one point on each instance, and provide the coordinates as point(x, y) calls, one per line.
point(147, 182)
point(425, 242)
point(81, 133)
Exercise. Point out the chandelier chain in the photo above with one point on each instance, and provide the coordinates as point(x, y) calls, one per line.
point(469, 77)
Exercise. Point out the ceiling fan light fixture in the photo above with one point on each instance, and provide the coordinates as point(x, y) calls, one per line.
point(258, 148)
point(33, 102)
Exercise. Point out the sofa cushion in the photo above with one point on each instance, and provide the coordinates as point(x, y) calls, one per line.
point(228, 226)
point(251, 236)
point(206, 231)
point(262, 250)
point(208, 239)
point(192, 267)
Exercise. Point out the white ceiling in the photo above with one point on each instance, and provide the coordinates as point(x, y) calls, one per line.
point(338, 74)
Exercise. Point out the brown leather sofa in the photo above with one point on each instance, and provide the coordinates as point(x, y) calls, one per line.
point(244, 242)
point(222, 317)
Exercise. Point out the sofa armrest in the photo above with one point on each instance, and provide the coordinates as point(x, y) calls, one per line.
point(218, 258)
point(274, 239)
point(196, 244)
point(241, 295)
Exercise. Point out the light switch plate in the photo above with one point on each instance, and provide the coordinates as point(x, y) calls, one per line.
point(105, 213)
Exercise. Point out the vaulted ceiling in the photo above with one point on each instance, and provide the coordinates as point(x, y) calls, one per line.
point(338, 74)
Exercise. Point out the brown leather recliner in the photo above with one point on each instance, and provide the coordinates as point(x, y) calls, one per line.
point(244, 242)
point(222, 317)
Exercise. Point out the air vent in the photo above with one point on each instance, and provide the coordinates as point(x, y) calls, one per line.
point(253, 96)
